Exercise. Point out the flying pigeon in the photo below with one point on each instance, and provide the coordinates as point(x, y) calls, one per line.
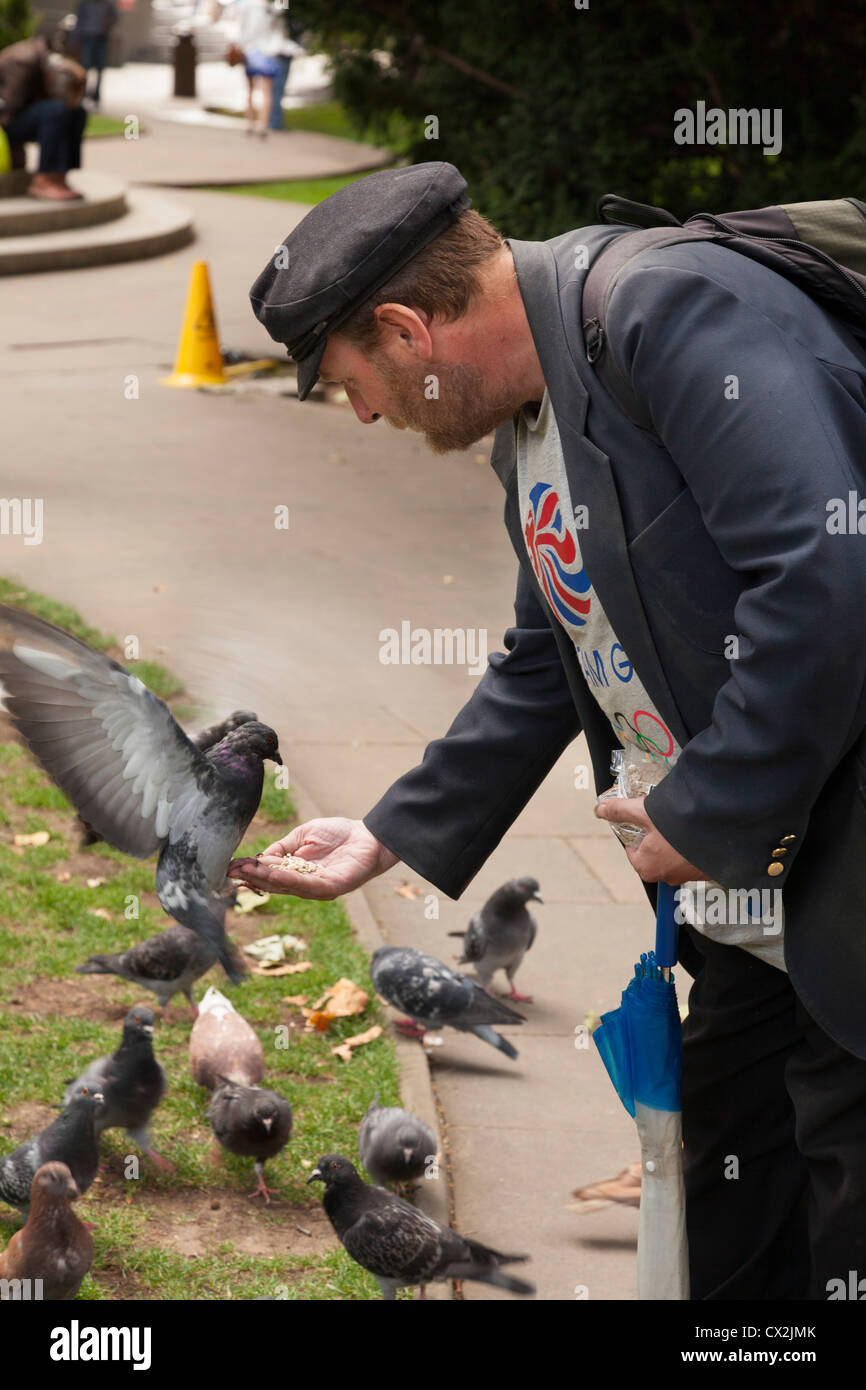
point(399, 1244)
point(54, 1246)
point(394, 1145)
point(131, 1080)
point(206, 738)
point(252, 1122)
point(434, 996)
point(130, 771)
point(500, 934)
point(70, 1139)
point(223, 1046)
point(166, 964)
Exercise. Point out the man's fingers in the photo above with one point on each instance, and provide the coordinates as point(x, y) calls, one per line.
point(621, 809)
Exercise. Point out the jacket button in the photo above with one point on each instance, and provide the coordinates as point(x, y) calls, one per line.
point(775, 869)
point(786, 839)
point(777, 853)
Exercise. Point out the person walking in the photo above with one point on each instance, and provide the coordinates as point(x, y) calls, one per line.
point(94, 21)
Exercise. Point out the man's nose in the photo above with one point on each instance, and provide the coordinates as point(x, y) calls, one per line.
point(361, 409)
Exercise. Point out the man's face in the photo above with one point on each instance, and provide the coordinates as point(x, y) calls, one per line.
point(449, 402)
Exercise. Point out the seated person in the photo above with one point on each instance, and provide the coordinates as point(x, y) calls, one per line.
point(40, 101)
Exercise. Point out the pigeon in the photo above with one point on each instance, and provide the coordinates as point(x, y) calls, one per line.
point(500, 934)
point(223, 1046)
point(167, 964)
point(54, 1246)
point(253, 1122)
point(131, 1080)
point(394, 1145)
point(399, 1244)
point(203, 740)
point(435, 995)
point(130, 771)
point(70, 1139)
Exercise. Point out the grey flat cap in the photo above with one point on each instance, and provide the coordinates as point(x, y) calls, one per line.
point(345, 249)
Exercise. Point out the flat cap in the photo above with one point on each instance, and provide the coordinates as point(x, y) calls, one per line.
point(345, 249)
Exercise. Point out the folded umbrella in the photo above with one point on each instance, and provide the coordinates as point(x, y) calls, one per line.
point(640, 1044)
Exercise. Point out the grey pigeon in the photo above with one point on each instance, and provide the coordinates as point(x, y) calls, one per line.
point(206, 738)
point(500, 934)
point(167, 964)
point(54, 1246)
point(131, 1080)
point(399, 1244)
point(253, 1122)
point(434, 996)
point(394, 1145)
point(70, 1139)
point(130, 771)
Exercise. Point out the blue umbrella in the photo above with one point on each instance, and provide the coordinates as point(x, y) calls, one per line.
point(641, 1046)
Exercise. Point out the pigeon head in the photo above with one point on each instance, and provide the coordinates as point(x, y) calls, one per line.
point(520, 891)
point(54, 1180)
point(266, 1112)
point(408, 1142)
point(138, 1023)
point(253, 737)
point(84, 1100)
point(334, 1171)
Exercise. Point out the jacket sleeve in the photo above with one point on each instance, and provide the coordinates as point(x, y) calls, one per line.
point(762, 469)
point(446, 816)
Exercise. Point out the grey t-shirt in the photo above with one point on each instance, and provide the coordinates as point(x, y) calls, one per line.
point(551, 530)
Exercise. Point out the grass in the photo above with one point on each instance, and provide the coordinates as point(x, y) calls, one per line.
point(47, 912)
point(98, 126)
point(295, 191)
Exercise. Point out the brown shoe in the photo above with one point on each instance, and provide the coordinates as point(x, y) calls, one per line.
point(624, 1189)
point(52, 188)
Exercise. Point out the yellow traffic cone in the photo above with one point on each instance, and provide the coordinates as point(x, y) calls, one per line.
point(199, 361)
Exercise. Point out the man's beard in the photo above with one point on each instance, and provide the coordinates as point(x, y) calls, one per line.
point(462, 412)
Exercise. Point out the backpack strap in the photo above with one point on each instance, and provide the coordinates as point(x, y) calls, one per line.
point(598, 287)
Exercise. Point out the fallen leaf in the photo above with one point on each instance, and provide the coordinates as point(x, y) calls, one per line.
point(295, 998)
point(318, 1021)
point(64, 877)
point(39, 837)
point(247, 901)
point(345, 1049)
point(306, 1163)
point(407, 890)
point(94, 882)
point(277, 970)
point(344, 999)
point(100, 912)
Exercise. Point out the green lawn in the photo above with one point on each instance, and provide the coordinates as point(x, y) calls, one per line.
point(296, 191)
point(52, 1022)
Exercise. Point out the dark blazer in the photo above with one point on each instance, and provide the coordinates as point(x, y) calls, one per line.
point(713, 525)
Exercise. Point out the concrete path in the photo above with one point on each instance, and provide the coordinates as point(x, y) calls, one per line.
point(159, 522)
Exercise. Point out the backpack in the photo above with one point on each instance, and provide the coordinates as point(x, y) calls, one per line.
point(820, 246)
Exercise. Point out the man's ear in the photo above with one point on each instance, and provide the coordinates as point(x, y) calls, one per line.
point(404, 331)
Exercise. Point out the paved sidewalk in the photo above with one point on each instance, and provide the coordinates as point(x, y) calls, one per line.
point(159, 522)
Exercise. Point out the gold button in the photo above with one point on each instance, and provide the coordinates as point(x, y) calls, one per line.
point(775, 869)
point(786, 839)
point(777, 853)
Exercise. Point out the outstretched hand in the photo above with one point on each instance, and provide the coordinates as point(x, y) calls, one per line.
point(346, 853)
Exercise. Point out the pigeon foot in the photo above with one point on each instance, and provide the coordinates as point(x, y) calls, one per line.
point(409, 1028)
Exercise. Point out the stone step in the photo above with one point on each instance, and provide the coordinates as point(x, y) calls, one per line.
point(152, 226)
point(104, 201)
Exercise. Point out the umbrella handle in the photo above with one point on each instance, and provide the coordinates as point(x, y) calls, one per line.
point(667, 928)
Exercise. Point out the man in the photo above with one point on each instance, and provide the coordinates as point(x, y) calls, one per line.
point(642, 553)
point(40, 101)
point(94, 21)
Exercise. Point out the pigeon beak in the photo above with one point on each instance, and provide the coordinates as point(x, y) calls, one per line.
point(72, 1190)
point(407, 1155)
point(267, 1122)
point(537, 898)
point(313, 1177)
point(275, 757)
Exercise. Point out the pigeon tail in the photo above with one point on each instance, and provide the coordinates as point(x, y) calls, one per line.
point(97, 965)
point(489, 1035)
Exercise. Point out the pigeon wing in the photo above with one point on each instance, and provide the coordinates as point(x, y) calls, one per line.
point(108, 742)
point(396, 1241)
point(475, 940)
